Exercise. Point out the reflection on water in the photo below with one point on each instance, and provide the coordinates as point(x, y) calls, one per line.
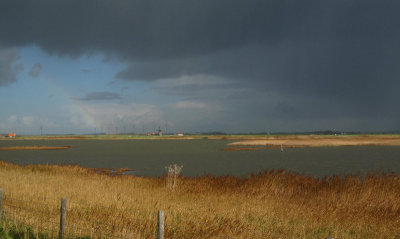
point(199, 157)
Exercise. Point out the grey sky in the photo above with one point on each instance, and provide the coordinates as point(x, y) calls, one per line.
point(9, 70)
point(35, 70)
point(103, 95)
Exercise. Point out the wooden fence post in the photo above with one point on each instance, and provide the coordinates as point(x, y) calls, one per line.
point(1, 204)
point(160, 225)
point(63, 218)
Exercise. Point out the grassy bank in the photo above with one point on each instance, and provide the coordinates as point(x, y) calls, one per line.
point(273, 204)
point(35, 147)
point(322, 141)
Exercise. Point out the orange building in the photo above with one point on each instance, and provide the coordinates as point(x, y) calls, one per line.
point(11, 135)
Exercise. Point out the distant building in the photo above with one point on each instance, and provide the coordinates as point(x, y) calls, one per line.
point(179, 134)
point(11, 135)
point(159, 132)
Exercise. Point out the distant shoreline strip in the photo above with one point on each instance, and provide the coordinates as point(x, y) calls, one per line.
point(34, 148)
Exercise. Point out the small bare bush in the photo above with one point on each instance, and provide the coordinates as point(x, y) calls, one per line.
point(173, 174)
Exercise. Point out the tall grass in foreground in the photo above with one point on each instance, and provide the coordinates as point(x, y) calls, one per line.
point(274, 204)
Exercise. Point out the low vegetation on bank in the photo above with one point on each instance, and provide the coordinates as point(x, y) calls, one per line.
point(35, 147)
point(274, 204)
point(322, 141)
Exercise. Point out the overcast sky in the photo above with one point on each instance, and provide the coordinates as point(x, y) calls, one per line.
point(199, 65)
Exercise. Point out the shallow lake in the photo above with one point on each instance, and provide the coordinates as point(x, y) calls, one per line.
point(199, 157)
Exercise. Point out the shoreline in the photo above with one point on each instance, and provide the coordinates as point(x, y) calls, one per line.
point(294, 137)
point(35, 147)
point(322, 141)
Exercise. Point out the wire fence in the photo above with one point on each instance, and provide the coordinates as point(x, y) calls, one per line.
point(42, 218)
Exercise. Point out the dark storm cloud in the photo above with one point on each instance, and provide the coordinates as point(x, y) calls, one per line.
point(102, 95)
point(8, 66)
point(35, 70)
point(158, 29)
point(321, 57)
point(138, 29)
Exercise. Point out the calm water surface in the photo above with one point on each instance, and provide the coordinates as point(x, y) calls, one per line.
point(199, 157)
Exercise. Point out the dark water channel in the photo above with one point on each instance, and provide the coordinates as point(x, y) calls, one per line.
point(199, 157)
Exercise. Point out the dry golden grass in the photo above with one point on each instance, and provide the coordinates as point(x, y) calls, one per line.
point(274, 204)
point(323, 141)
point(259, 148)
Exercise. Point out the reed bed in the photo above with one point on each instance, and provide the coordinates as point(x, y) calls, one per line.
point(273, 204)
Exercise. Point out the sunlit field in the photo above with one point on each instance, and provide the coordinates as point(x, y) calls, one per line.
point(274, 204)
